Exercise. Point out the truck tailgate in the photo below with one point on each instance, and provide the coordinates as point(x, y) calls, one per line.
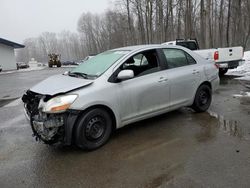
point(230, 54)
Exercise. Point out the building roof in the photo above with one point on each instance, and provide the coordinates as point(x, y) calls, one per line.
point(10, 43)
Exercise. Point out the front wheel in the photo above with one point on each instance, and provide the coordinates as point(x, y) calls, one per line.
point(93, 129)
point(203, 98)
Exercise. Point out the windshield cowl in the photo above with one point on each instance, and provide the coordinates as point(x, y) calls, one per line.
point(82, 75)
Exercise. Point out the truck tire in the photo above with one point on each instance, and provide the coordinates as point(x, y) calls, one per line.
point(203, 98)
point(93, 129)
point(222, 72)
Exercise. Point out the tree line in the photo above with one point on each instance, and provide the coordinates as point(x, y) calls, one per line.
point(215, 23)
point(69, 45)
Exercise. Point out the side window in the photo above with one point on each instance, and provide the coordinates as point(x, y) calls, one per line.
point(142, 63)
point(137, 60)
point(175, 58)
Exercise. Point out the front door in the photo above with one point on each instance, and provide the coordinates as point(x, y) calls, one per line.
point(147, 93)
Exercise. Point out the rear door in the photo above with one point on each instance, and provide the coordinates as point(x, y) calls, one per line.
point(230, 54)
point(184, 75)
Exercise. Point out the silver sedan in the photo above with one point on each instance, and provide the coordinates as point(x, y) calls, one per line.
point(116, 88)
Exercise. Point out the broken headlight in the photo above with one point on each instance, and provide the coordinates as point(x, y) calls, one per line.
point(58, 104)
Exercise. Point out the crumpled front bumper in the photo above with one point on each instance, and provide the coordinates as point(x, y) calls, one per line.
point(69, 121)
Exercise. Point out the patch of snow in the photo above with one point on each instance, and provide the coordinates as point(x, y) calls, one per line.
point(23, 70)
point(244, 68)
point(246, 55)
point(243, 71)
point(69, 66)
point(242, 94)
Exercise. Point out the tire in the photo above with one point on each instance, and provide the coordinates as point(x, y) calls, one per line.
point(222, 72)
point(58, 65)
point(93, 129)
point(203, 99)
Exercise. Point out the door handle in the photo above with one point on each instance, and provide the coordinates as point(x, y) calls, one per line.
point(162, 79)
point(196, 72)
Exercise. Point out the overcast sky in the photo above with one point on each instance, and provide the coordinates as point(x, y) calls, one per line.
point(20, 19)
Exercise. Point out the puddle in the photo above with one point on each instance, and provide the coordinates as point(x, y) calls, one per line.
point(244, 81)
point(231, 127)
point(164, 178)
point(244, 97)
point(229, 80)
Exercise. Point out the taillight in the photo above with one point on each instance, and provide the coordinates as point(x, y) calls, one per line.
point(216, 55)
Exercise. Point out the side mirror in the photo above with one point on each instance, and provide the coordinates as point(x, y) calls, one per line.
point(125, 74)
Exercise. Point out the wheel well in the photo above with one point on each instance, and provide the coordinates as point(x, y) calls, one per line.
point(206, 83)
point(111, 113)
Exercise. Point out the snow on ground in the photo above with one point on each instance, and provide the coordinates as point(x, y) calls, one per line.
point(34, 69)
point(242, 94)
point(69, 66)
point(244, 69)
point(23, 70)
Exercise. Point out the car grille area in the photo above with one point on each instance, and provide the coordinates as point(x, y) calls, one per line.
point(46, 127)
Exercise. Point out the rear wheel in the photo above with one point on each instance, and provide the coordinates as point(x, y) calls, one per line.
point(203, 98)
point(93, 129)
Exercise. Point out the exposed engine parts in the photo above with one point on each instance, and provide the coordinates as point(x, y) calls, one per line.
point(46, 127)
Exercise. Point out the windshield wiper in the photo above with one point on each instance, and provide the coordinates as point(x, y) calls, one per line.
point(77, 74)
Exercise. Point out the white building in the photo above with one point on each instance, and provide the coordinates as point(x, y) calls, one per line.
point(7, 55)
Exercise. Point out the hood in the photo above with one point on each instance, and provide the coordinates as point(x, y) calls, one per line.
point(59, 84)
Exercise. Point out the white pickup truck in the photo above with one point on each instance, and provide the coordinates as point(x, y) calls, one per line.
point(224, 58)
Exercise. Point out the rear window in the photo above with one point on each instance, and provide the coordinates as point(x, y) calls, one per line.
point(190, 45)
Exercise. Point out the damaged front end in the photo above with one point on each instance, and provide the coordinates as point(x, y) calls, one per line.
point(48, 120)
point(48, 127)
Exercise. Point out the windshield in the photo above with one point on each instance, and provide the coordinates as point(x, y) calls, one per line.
point(98, 64)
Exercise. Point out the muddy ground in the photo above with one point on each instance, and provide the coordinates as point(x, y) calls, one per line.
point(177, 149)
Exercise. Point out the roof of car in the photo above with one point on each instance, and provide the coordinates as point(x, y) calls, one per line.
point(137, 47)
point(146, 46)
